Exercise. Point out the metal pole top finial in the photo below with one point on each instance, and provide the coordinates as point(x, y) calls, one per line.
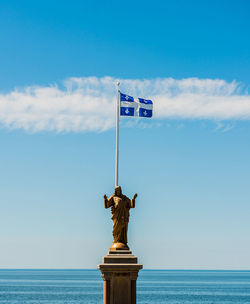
point(118, 83)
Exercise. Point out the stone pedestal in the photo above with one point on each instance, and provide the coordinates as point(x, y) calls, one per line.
point(119, 272)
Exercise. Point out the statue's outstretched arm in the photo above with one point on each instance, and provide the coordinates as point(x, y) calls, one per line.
point(108, 202)
point(132, 204)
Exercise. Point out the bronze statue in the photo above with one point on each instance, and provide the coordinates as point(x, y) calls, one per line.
point(120, 205)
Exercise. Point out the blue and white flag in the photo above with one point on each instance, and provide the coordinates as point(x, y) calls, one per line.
point(130, 106)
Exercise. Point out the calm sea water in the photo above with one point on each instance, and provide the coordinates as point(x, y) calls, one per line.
point(153, 286)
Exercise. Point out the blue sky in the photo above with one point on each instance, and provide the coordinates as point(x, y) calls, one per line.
point(189, 164)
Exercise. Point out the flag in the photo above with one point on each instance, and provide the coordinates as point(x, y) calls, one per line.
point(130, 106)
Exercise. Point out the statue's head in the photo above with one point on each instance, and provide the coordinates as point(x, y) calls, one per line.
point(118, 190)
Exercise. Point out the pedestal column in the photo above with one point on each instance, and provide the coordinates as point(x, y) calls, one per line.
point(119, 272)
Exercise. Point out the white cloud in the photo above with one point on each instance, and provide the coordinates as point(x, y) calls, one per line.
point(88, 104)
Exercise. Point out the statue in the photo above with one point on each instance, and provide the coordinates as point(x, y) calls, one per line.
point(120, 205)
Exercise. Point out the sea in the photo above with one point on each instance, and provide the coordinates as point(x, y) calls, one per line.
point(153, 286)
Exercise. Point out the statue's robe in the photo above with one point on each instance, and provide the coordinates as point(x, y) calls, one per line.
point(120, 206)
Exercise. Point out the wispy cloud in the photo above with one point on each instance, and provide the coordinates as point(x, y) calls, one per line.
point(88, 104)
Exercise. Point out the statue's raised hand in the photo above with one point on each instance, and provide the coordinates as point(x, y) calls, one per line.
point(135, 196)
point(105, 197)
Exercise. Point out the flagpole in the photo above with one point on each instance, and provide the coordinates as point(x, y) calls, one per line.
point(117, 134)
